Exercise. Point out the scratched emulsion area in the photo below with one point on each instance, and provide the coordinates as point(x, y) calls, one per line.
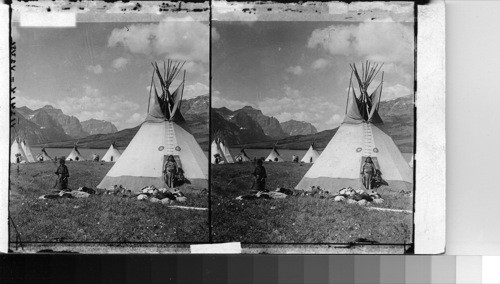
point(312, 11)
point(100, 11)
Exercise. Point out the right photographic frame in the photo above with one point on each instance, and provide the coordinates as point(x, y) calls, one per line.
point(314, 128)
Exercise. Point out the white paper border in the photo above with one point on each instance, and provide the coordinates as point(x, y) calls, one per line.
point(430, 157)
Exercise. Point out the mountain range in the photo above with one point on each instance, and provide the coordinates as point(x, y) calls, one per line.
point(49, 124)
point(397, 115)
point(250, 125)
point(246, 127)
point(195, 112)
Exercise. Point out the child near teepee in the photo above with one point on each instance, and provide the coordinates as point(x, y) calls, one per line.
point(260, 176)
point(62, 175)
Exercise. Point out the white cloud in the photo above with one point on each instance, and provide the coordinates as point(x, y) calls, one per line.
point(296, 70)
point(196, 69)
point(198, 89)
point(120, 63)
point(96, 69)
point(381, 41)
point(218, 101)
point(395, 91)
point(93, 104)
point(320, 63)
point(30, 103)
point(135, 119)
point(177, 38)
point(334, 121)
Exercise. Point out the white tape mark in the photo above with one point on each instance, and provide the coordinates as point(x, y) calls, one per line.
point(187, 207)
point(232, 248)
point(47, 19)
point(390, 210)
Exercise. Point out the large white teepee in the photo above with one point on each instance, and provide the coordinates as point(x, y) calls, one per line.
point(273, 155)
point(311, 156)
point(112, 154)
point(359, 136)
point(17, 153)
point(43, 156)
point(75, 155)
point(162, 134)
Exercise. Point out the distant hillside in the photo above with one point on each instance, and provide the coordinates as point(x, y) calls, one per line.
point(194, 110)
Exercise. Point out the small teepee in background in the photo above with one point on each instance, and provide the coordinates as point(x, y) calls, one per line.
point(27, 151)
point(243, 156)
point(216, 151)
point(274, 156)
point(75, 155)
point(225, 151)
point(43, 156)
point(311, 156)
point(20, 152)
point(219, 147)
point(164, 133)
point(359, 136)
point(17, 154)
point(112, 154)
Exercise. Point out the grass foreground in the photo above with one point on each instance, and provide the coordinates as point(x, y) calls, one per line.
point(299, 219)
point(99, 218)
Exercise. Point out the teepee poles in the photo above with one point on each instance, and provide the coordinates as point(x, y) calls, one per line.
point(348, 92)
point(364, 78)
point(169, 102)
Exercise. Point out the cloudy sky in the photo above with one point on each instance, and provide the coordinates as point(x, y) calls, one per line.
point(299, 70)
point(103, 70)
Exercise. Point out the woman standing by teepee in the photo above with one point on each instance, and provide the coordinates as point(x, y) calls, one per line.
point(170, 171)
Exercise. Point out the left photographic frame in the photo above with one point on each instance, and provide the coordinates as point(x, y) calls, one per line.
point(110, 129)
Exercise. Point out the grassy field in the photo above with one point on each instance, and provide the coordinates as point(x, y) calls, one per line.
point(99, 218)
point(299, 219)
